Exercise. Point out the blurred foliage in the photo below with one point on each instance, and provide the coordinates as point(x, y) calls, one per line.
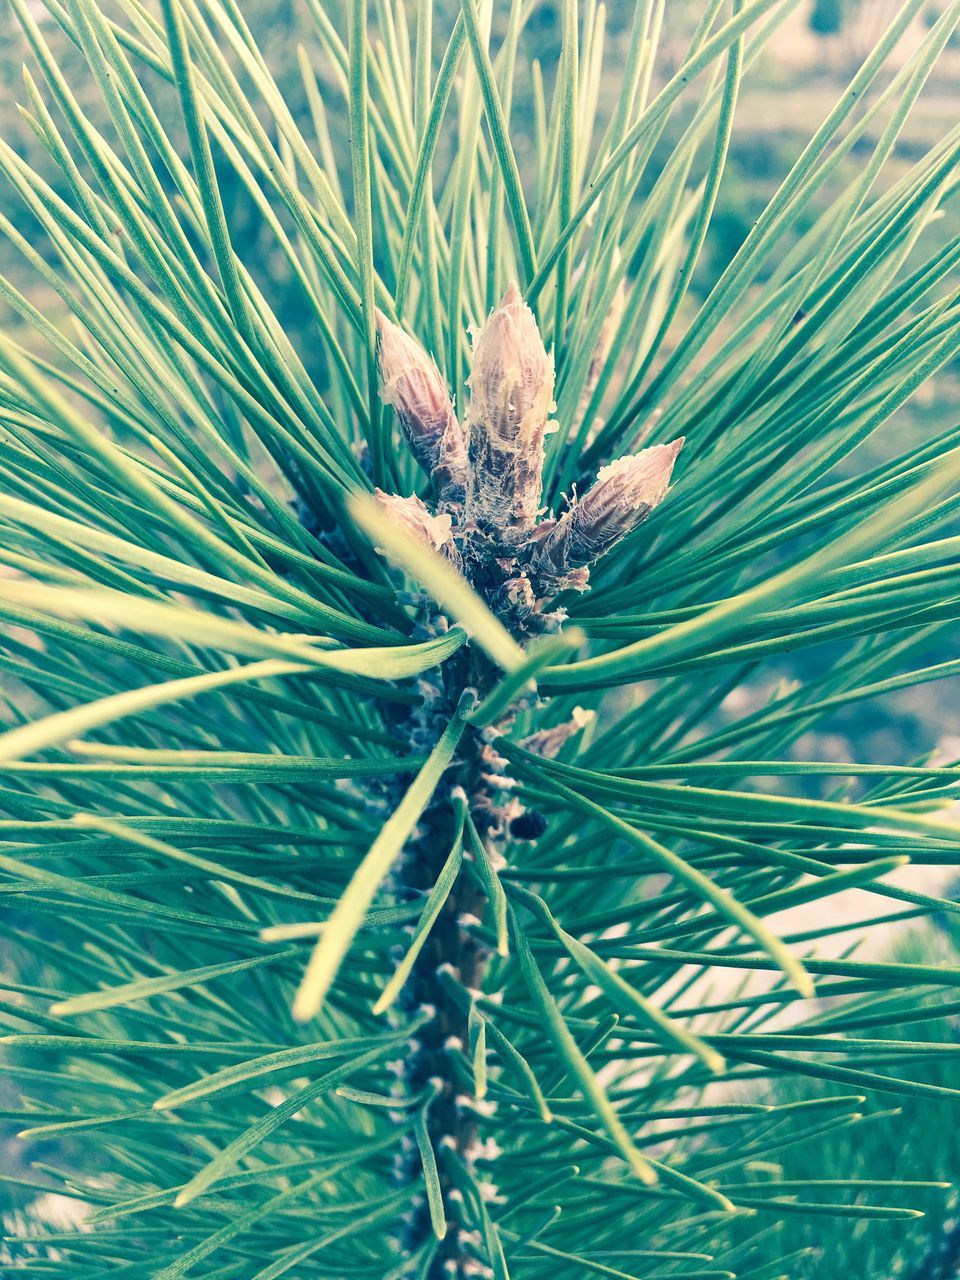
point(922, 1144)
point(771, 472)
point(827, 17)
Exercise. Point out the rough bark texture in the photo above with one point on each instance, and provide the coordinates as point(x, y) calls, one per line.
point(431, 1060)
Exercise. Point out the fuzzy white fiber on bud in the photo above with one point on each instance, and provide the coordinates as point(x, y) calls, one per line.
point(411, 382)
point(511, 398)
point(547, 742)
point(621, 498)
point(412, 515)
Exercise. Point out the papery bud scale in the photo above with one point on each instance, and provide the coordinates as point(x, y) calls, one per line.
point(511, 398)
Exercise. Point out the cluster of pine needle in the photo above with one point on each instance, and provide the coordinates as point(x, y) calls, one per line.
point(397, 779)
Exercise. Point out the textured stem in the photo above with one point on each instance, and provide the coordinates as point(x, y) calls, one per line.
point(451, 952)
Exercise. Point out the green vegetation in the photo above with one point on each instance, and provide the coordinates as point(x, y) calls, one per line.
point(395, 792)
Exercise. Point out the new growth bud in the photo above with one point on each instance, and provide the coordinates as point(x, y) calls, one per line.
point(412, 515)
point(511, 397)
point(411, 382)
point(488, 485)
point(623, 495)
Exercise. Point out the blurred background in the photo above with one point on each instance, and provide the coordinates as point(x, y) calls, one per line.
point(784, 98)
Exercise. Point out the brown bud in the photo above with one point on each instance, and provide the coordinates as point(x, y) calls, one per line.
point(411, 382)
point(624, 494)
point(547, 742)
point(514, 599)
point(416, 519)
point(511, 397)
